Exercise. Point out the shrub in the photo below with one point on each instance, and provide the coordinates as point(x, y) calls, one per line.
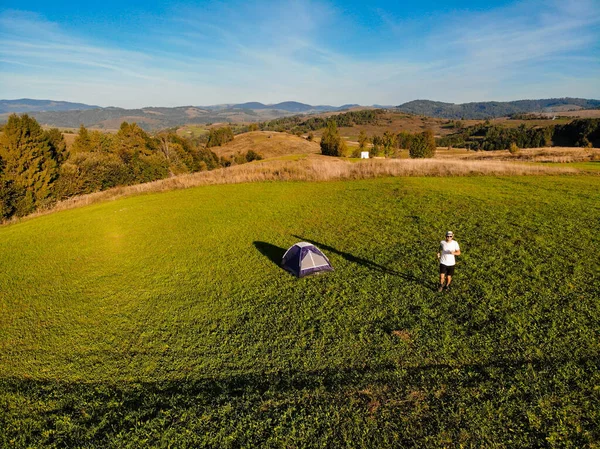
point(513, 149)
point(252, 155)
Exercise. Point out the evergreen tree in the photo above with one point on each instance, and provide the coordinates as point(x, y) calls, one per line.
point(29, 163)
point(131, 142)
point(58, 145)
point(331, 142)
point(82, 141)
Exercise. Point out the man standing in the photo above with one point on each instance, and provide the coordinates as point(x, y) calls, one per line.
point(448, 249)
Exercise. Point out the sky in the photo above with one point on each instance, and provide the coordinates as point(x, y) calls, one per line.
point(146, 53)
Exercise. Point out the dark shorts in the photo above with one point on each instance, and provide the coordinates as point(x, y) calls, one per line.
point(445, 269)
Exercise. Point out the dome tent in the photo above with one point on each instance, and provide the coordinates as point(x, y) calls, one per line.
point(305, 258)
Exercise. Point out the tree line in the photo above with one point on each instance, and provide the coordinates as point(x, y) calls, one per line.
point(490, 109)
point(37, 169)
point(301, 124)
point(485, 136)
point(419, 145)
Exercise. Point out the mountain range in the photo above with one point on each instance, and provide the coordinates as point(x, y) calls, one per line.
point(29, 105)
point(494, 109)
point(71, 115)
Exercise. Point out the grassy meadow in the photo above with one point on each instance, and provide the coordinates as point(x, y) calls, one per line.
point(164, 320)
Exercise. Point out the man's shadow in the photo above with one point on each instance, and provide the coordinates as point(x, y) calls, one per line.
point(368, 263)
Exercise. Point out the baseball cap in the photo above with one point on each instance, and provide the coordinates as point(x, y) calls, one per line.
point(449, 234)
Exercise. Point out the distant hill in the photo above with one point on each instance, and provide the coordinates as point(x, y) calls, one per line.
point(292, 106)
point(250, 105)
point(154, 118)
point(147, 118)
point(348, 106)
point(29, 105)
point(70, 115)
point(494, 109)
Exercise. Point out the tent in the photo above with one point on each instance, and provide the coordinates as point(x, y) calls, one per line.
point(305, 258)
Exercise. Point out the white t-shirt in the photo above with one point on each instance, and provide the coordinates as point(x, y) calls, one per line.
point(447, 248)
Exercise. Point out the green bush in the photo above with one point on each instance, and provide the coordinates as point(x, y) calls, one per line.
point(404, 140)
point(252, 155)
point(422, 145)
point(91, 172)
point(219, 136)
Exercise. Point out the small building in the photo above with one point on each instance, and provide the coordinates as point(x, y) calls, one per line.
point(364, 155)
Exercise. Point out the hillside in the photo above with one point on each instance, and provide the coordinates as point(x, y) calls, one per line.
point(494, 109)
point(268, 144)
point(29, 105)
point(165, 319)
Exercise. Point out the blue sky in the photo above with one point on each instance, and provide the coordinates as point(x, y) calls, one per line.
point(135, 54)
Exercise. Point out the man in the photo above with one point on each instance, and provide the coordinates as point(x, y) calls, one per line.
point(448, 249)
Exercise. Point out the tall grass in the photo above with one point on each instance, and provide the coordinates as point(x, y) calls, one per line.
point(545, 154)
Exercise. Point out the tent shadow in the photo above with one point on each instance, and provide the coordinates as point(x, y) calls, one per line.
point(370, 264)
point(271, 252)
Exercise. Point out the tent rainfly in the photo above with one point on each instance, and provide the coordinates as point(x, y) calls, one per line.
point(305, 258)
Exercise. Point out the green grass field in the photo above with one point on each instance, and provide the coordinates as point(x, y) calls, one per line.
point(164, 320)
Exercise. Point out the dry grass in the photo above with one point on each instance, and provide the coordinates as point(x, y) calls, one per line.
point(268, 144)
point(316, 168)
point(581, 113)
point(546, 154)
point(69, 139)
